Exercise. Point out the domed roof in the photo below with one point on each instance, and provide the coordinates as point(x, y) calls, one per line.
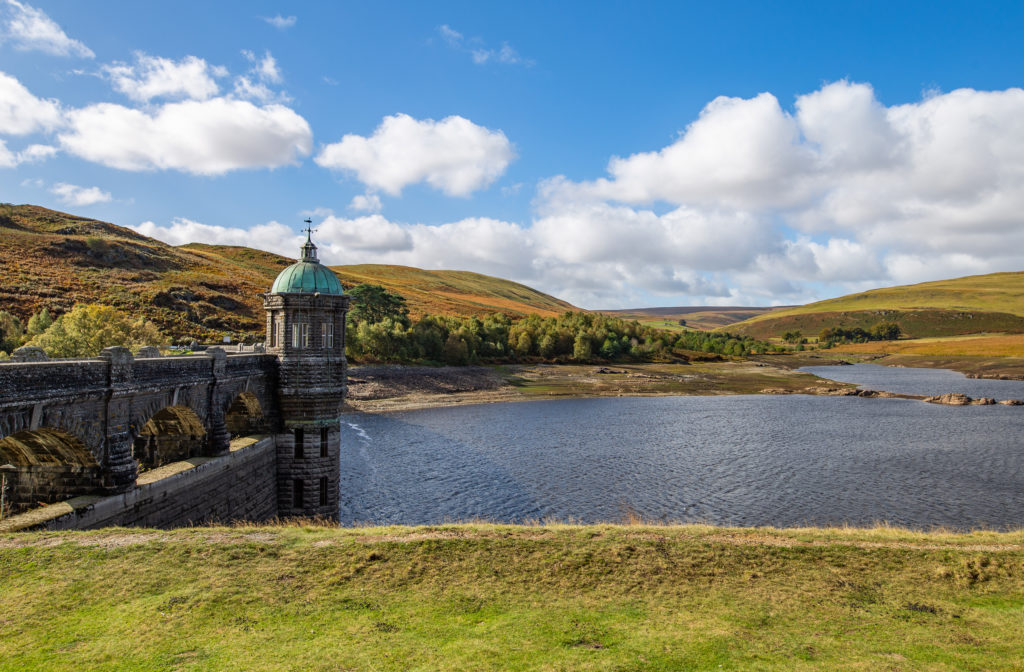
point(307, 276)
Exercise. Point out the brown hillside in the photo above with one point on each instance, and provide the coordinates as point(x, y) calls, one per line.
point(54, 259)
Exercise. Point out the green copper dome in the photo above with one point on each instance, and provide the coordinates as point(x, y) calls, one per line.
point(307, 276)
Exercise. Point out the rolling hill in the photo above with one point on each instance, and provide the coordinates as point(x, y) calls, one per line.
point(970, 305)
point(696, 317)
point(54, 259)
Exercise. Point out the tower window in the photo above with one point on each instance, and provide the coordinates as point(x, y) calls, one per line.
point(323, 442)
point(327, 335)
point(300, 334)
point(297, 492)
point(273, 331)
point(323, 492)
point(299, 436)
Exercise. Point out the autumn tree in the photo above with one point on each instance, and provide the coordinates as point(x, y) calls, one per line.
point(88, 328)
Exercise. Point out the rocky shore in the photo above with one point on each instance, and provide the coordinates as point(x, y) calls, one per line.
point(383, 388)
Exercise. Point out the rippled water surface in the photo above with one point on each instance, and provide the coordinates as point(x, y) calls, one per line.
point(739, 460)
point(919, 381)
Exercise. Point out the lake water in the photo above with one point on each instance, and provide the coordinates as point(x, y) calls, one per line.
point(730, 460)
point(919, 381)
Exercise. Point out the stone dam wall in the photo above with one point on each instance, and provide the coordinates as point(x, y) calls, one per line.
point(239, 485)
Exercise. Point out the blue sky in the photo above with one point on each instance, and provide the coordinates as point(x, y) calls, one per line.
point(611, 154)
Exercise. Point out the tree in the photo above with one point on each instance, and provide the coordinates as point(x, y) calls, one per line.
point(39, 322)
point(524, 344)
point(547, 346)
point(792, 336)
point(886, 331)
point(89, 328)
point(456, 352)
point(373, 303)
point(581, 347)
point(12, 332)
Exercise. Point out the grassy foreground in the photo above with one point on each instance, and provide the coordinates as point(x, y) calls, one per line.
point(479, 597)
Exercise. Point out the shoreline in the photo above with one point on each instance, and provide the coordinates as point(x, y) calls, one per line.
point(385, 388)
point(393, 387)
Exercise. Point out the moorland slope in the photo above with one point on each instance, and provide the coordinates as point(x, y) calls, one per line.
point(992, 303)
point(55, 259)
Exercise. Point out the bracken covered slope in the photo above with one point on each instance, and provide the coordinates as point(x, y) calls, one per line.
point(974, 304)
point(55, 259)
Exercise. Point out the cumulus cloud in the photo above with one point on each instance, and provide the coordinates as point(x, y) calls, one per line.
point(839, 193)
point(21, 112)
point(154, 77)
point(365, 203)
point(30, 29)
point(281, 22)
point(453, 155)
point(272, 236)
point(209, 137)
point(72, 194)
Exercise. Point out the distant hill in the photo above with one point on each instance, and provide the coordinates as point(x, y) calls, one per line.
point(54, 259)
point(970, 305)
point(696, 317)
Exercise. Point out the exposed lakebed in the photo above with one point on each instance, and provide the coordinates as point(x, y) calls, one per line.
point(729, 460)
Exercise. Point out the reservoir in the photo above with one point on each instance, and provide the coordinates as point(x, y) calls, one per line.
point(729, 460)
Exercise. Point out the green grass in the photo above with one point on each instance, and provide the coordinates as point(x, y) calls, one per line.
point(489, 597)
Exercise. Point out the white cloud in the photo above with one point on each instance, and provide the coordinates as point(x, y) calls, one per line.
point(254, 85)
point(208, 137)
point(365, 203)
point(71, 194)
point(21, 112)
point(154, 77)
point(272, 236)
point(30, 29)
point(841, 193)
point(479, 51)
point(453, 155)
point(30, 154)
point(453, 37)
point(281, 22)
point(264, 68)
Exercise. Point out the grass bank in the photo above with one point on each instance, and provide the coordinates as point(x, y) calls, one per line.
point(491, 597)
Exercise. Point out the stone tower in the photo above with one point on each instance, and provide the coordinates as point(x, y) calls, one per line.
point(306, 310)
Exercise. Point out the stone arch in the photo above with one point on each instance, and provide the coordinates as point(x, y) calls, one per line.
point(245, 415)
point(172, 434)
point(52, 465)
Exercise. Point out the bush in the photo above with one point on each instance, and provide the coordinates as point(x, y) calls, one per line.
point(89, 328)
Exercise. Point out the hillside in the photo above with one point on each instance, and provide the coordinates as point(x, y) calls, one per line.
point(55, 259)
point(696, 317)
point(974, 304)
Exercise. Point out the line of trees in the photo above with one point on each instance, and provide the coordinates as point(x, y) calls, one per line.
point(883, 331)
point(379, 328)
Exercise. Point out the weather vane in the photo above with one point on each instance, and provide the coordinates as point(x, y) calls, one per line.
point(309, 228)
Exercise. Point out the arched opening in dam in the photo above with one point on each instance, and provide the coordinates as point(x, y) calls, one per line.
point(52, 465)
point(173, 434)
point(245, 416)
